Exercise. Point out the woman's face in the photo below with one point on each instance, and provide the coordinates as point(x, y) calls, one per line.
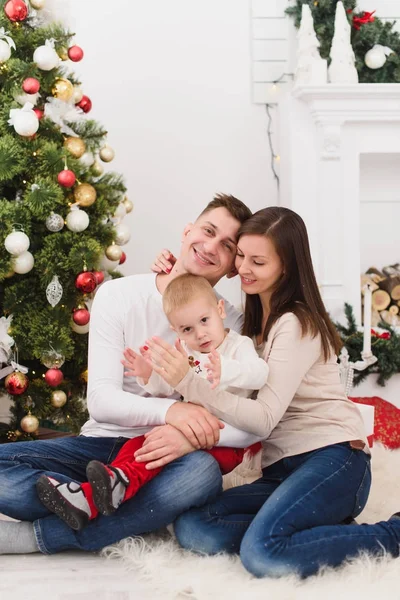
point(258, 264)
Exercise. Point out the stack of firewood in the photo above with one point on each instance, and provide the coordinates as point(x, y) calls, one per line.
point(385, 285)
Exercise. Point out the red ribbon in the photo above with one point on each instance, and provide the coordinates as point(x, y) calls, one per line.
point(362, 19)
point(385, 335)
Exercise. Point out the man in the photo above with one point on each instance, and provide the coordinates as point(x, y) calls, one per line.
point(126, 312)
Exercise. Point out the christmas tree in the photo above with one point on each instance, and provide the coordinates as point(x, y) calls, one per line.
point(367, 31)
point(60, 221)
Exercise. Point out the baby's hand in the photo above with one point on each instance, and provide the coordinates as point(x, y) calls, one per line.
point(137, 365)
point(213, 368)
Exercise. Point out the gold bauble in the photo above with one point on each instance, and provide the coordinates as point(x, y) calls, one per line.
point(97, 169)
point(37, 4)
point(85, 194)
point(63, 53)
point(29, 423)
point(113, 252)
point(128, 204)
point(10, 273)
point(84, 376)
point(58, 398)
point(75, 146)
point(77, 94)
point(63, 89)
point(106, 153)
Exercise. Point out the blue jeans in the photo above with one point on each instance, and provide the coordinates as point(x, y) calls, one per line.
point(185, 483)
point(290, 520)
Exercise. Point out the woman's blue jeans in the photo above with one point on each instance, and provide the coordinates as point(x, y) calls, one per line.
point(187, 482)
point(290, 520)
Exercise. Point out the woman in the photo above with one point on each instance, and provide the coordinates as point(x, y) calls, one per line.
point(316, 461)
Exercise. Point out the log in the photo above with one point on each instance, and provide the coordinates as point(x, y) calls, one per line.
point(380, 300)
point(375, 274)
point(391, 285)
point(394, 309)
point(375, 318)
point(390, 319)
point(367, 279)
point(391, 270)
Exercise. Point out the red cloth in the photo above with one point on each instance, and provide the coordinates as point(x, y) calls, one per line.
point(386, 421)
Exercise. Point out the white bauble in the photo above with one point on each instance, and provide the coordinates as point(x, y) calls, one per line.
point(108, 265)
point(106, 153)
point(77, 94)
point(77, 220)
point(375, 58)
point(24, 98)
point(87, 159)
point(16, 243)
point(5, 51)
point(37, 4)
point(26, 123)
point(54, 222)
point(46, 58)
point(23, 263)
point(120, 211)
point(80, 328)
point(123, 234)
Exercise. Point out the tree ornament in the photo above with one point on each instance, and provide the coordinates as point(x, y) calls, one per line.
point(54, 222)
point(75, 146)
point(52, 359)
point(16, 10)
point(23, 263)
point(106, 153)
point(99, 275)
point(75, 53)
point(62, 89)
point(120, 211)
point(37, 4)
point(46, 57)
point(53, 377)
point(85, 104)
point(29, 423)
point(123, 234)
point(31, 85)
point(85, 194)
point(54, 291)
point(376, 57)
point(86, 282)
point(77, 220)
point(6, 43)
point(84, 376)
point(87, 159)
point(58, 398)
point(128, 205)
point(24, 120)
point(108, 265)
point(77, 94)
point(16, 243)
point(81, 329)
point(39, 113)
point(97, 169)
point(342, 67)
point(122, 259)
point(63, 53)
point(16, 383)
point(81, 316)
point(311, 68)
point(113, 252)
point(66, 178)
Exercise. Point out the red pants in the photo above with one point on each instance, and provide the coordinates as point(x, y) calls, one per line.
point(138, 475)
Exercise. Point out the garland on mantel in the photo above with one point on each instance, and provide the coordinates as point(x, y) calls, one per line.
point(385, 346)
point(367, 31)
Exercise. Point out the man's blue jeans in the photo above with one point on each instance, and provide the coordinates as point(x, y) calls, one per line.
point(187, 482)
point(290, 520)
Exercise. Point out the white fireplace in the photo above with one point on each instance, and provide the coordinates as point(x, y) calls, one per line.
point(331, 137)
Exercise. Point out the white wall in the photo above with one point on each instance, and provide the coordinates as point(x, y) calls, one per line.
point(171, 81)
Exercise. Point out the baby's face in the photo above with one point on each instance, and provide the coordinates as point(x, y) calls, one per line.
point(200, 323)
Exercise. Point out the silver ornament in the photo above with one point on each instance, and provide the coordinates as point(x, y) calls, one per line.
point(54, 291)
point(54, 222)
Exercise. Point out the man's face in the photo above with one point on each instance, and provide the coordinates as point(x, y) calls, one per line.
point(209, 245)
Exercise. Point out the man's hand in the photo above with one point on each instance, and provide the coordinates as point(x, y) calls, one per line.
point(162, 445)
point(199, 426)
point(137, 365)
point(213, 368)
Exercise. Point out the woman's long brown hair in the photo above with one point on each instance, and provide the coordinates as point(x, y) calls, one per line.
point(297, 290)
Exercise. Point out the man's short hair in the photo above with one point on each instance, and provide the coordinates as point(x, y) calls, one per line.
point(233, 205)
point(183, 289)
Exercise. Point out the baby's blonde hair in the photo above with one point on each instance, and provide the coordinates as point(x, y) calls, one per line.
point(183, 289)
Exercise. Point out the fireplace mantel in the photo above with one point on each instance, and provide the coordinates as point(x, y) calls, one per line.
point(323, 132)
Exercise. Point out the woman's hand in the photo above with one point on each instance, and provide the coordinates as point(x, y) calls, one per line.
point(213, 368)
point(164, 262)
point(170, 362)
point(162, 445)
point(137, 365)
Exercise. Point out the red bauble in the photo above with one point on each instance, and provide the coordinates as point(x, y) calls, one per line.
point(81, 316)
point(53, 377)
point(16, 383)
point(75, 53)
point(85, 104)
point(99, 276)
point(16, 10)
point(85, 282)
point(66, 178)
point(30, 85)
point(122, 259)
point(39, 113)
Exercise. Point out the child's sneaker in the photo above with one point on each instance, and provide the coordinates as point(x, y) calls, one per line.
point(66, 500)
point(108, 486)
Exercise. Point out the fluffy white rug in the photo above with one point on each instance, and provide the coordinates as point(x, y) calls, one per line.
point(170, 573)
